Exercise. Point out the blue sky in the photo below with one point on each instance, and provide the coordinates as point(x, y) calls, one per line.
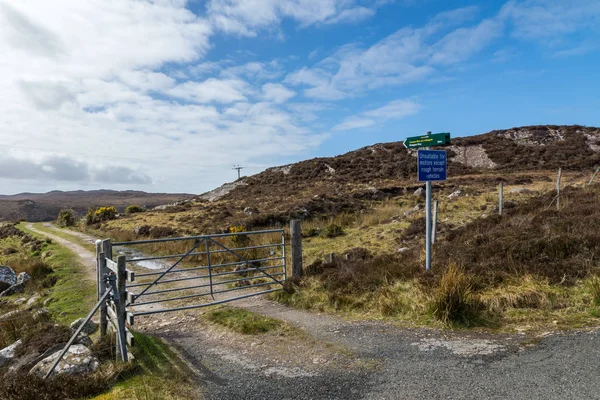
point(128, 94)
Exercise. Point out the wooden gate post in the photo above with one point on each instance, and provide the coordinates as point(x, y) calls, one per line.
point(106, 252)
point(296, 240)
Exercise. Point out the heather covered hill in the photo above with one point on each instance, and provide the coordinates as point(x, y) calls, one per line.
point(46, 206)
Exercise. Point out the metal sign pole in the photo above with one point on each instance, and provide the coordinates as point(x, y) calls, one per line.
point(428, 223)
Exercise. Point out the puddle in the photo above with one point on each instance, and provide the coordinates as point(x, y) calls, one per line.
point(132, 254)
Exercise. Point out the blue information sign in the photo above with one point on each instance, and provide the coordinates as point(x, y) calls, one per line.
point(431, 165)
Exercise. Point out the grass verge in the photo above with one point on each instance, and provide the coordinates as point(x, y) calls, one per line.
point(242, 321)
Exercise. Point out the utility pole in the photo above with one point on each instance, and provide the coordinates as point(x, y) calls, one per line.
point(238, 168)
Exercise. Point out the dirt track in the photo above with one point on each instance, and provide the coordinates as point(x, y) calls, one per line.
point(330, 358)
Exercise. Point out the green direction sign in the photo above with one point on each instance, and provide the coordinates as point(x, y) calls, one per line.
point(435, 139)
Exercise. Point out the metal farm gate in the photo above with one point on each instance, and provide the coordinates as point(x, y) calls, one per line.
point(183, 273)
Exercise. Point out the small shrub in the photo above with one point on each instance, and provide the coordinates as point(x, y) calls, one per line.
point(312, 232)
point(132, 209)
point(66, 218)
point(453, 301)
point(101, 214)
point(332, 230)
point(239, 240)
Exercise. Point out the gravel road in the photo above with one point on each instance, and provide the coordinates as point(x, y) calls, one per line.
point(330, 358)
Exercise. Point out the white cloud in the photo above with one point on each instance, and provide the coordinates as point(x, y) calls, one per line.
point(395, 109)
point(98, 92)
point(247, 17)
point(276, 92)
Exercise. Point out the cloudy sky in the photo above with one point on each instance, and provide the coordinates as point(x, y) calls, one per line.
point(166, 95)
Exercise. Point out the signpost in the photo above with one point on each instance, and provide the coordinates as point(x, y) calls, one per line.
point(431, 166)
point(436, 139)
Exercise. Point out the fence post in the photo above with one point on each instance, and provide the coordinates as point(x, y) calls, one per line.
point(121, 307)
point(558, 190)
point(107, 250)
point(435, 216)
point(593, 176)
point(500, 198)
point(296, 240)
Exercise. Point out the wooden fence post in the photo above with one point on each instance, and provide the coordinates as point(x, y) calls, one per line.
point(593, 176)
point(500, 198)
point(296, 240)
point(102, 271)
point(121, 307)
point(434, 227)
point(558, 190)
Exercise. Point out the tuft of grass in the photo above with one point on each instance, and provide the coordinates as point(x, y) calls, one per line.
point(594, 288)
point(242, 321)
point(332, 231)
point(453, 302)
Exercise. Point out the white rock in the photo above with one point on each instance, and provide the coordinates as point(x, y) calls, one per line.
point(23, 277)
point(522, 190)
point(455, 194)
point(32, 301)
point(78, 360)
point(8, 353)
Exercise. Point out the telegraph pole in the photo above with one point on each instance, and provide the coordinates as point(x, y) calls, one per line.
point(238, 168)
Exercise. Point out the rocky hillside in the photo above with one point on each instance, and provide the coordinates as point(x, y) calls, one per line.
point(46, 206)
point(348, 183)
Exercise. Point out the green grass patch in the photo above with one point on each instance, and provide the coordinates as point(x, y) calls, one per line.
point(242, 321)
point(74, 294)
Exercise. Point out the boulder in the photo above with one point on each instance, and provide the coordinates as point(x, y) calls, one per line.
point(522, 190)
point(89, 328)
point(420, 192)
point(84, 339)
point(455, 194)
point(8, 353)
point(23, 277)
point(7, 275)
point(17, 288)
point(77, 361)
point(251, 210)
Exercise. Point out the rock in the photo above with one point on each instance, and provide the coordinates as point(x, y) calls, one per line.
point(455, 194)
point(32, 301)
point(23, 277)
point(84, 340)
point(403, 249)
point(7, 275)
point(77, 361)
point(89, 328)
point(420, 192)
point(10, 314)
point(17, 288)
point(250, 210)
point(413, 210)
point(522, 190)
point(143, 230)
point(41, 314)
point(8, 353)
point(20, 301)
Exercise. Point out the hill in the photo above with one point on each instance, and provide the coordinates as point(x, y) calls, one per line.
point(46, 206)
point(324, 187)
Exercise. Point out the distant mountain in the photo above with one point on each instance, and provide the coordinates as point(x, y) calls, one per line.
point(46, 206)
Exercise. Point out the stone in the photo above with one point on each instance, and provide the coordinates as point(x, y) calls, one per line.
point(17, 288)
point(413, 210)
point(41, 314)
point(89, 328)
point(23, 277)
point(522, 190)
point(251, 210)
point(9, 315)
point(84, 340)
point(20, 301)
point(455, 194)
point(420, 192)
point(143, 230)
point(77, 361)
point(32, 301)
point(403, 249)
point(8, 353)
point(7, 275)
